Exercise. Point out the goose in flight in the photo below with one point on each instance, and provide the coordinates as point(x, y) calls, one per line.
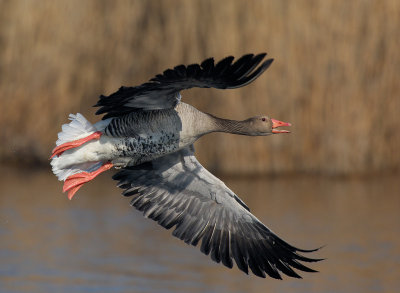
point(148, 133)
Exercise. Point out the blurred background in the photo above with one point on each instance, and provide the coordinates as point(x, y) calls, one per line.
point(335, 76)
point(333, 180)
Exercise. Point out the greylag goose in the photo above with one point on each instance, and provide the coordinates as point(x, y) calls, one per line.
point(148, 133)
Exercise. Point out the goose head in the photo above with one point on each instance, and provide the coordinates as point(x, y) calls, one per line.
point(264, 125)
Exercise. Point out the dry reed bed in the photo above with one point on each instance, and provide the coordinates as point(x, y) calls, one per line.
point(335, 76)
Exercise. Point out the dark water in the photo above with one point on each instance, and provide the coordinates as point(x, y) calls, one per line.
point(98, 243)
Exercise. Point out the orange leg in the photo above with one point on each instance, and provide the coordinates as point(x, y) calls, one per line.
point(57, 151)
point(74, 182)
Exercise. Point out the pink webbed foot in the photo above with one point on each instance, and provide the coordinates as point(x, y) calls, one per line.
point(57, 151)
point(74, 182)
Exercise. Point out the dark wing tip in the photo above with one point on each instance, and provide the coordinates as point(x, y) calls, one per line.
point(246, 69)
point(267, 63)
point(227, 73)
point(308, 250)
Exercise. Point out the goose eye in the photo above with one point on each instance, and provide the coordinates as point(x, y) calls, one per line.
point(263, 119)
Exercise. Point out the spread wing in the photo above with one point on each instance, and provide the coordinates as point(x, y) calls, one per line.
point(162, 91)
point(177, 191)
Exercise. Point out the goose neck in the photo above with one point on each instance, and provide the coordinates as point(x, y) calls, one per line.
point(231, 126)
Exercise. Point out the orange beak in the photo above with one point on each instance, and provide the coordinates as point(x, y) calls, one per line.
point(277, 123)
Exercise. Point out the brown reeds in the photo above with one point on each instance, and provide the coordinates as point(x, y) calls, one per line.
point(336, 75)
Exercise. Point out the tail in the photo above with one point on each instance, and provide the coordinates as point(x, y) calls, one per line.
point(79, 127)
point(63, 165)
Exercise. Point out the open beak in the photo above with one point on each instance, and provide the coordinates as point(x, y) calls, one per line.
point(277, 123)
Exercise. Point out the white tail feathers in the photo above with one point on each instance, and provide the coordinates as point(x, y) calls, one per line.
point(68, 163)
point(79, 127)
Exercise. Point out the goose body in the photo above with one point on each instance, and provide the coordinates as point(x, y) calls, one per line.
point(151, 134)
point(148, 133)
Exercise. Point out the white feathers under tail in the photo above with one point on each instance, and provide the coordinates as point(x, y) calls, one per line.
point(64, 166)
point(63, 173)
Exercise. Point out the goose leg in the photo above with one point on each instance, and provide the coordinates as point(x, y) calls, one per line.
point(57, 151)
point(74, 182)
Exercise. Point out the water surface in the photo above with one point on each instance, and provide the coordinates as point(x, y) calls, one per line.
point(98, 243)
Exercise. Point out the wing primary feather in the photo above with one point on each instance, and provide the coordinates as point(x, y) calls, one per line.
point(237, 254)
point(267, 263)
point(301, 267)
point(248, 67)
point(225, 248)
point(252, 259)
point(215, 245)
point(248, 79)
point(238, 65)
